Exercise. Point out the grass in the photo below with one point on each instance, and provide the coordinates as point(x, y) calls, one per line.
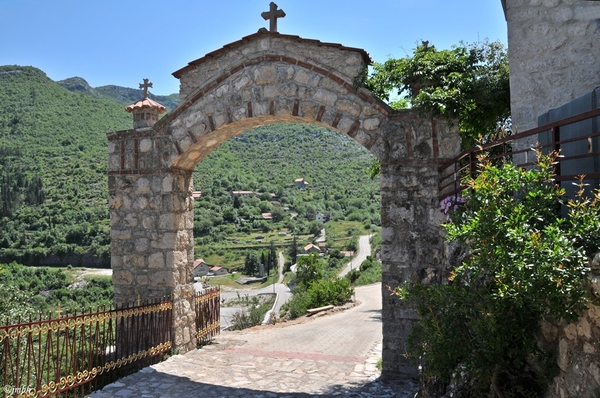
point(256, 308)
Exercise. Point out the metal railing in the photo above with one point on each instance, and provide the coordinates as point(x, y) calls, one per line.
point(583, 144)
point(72, 355)
point(208, 307)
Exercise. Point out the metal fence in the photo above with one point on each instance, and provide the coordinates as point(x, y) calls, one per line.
point(208, 309)
point(72, 355)
point(580, 146)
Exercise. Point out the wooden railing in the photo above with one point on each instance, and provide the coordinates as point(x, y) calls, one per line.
point(72, 355)
point(583, 144)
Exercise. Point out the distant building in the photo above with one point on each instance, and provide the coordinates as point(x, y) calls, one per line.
point(323, 217)
point(196, 194)
point(300, 183)
point(200, 268)
point(310, 248)
point(216, 271)
point(267, 216)
point(242, 194)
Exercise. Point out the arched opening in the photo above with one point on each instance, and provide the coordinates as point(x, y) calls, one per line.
point(290, 188)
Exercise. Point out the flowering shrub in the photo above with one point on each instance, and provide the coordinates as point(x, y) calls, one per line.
point(451, 204)
point(526, 263)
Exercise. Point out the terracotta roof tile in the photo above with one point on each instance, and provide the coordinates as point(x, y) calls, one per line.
point(145, 103)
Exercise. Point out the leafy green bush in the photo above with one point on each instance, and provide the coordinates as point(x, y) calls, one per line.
point(525, 262)
point(313, 290)
point(329, 292)
point(257, 307)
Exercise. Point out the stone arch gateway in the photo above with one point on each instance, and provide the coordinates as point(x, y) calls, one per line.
point(268, 78)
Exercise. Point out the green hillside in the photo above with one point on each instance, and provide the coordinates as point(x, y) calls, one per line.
point(53, 164)
point(124, 95)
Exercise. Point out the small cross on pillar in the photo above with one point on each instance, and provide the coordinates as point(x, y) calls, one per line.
point(145, 87)
point(272, 16)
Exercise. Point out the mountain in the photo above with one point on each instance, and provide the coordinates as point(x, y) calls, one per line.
point(53, 172)
point(123, 95)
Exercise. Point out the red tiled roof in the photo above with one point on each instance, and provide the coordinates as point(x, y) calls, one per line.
point(310, 246)
point(145, 103)
point(259, 34)
point(198, 262)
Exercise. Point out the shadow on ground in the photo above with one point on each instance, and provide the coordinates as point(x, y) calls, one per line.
point(155, 384)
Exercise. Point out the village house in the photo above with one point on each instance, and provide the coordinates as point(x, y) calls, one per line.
point(217, 271)
point(323, 217)
point(267, 216)
point(242, 194)
point(310, 248)
point(322, 247)
point(300, 183)
point(200, 268)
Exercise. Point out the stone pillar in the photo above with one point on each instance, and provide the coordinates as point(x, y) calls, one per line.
point(412, 239)
point(152, 250)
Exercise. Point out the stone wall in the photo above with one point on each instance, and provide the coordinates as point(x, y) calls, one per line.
point(577, 348)
point(413, 245)
point(554, 50)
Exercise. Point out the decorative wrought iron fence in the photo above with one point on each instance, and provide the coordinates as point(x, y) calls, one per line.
point(582, 144)
point(208, 309)
point(72, 355)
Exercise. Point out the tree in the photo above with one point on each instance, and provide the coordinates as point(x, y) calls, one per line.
point(468, 82)
point(524, 263)
point(315, 227)
point(294, 250)
point(252, 263)
point(309, 269)
point(272, 256)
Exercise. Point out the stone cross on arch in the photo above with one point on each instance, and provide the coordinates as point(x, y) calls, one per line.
point(145, 86)
point(272, 15)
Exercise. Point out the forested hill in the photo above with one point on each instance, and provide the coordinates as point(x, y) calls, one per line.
point(124, 95)
point(53, 165)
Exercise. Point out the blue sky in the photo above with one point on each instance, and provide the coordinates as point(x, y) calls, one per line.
point(123, 41)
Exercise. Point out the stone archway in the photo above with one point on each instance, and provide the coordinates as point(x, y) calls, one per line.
point(272, 78)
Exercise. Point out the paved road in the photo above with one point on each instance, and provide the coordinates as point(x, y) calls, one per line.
point(364, 250)
point(282, 291)
point(331, 355)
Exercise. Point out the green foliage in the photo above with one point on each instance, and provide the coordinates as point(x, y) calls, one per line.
point(28, 291)
point(309, 269)
point(53, 165)
point(252, 263)
point(256, 308)
point(470, 82)
point(266, 161)
point(313, 289)
point(53, 161)
point(525, 263)
point(368, 272)
point(320, 292)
